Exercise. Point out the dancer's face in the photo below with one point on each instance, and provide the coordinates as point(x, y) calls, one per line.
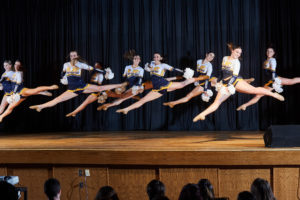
point(17, 65)
point(270, 52)
point(97, 66)
point(73, 55)
point(157, 58)
point(210, 57)
point(136, 60)
point(7, 66)
point(236, 53)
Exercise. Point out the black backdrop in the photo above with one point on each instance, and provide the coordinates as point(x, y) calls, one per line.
point(41, 33)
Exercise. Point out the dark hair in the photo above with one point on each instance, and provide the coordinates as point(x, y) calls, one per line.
point(98, 65)
point(245, 195)
point(206, 189)
point(232, 46)
point(190, 192)
point(20, 68)
point(106, 193)
point(52, 188)
point(8, 191)
point(155, 188)
point(8, 62)
point(160, 198)
point(164, 57)
point(262, 190)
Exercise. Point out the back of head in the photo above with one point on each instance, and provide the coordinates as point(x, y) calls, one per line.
point(106, 193)
point(206, 189)
point(190, 192)
point(155, 188)
point(261, 190)
point(52, 188)
point(8, 191)
point(245, 195)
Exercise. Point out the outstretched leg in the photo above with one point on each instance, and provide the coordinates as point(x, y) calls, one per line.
point(244, 87)
point(116, 102)
point(149, 97)
point(195, 92)
point(254, 100)
point(3, 105)
point(95, 88)
point(10, 109)
point(182, 84)
point(289, 81)
point(38, 90)
point(63, 97)
point(220, 98)
point(90, 99)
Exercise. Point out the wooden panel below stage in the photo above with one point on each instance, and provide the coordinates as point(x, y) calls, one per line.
point(128, 161)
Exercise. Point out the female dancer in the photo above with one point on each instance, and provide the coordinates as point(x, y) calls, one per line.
point(76, 85)
point(5, 84)
point(97, 78)
point(160, 85)
point(231, 82)
point(20, 93)
point(134, 74)
point(272, 78)
point(204, 68)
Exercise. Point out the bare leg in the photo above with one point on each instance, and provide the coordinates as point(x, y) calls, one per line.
point(127, 95)
point(289, 81)
point(63, 97)
point(220, 98)
point(35, 91)
point(244, 87)
point(149, 97)
point(95, 88)
point(10, 109)
point(4, 104)
point(90, 99)
point(195, 92)
point(254, 100)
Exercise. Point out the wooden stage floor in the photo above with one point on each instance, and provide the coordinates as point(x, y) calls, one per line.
point(144, 148)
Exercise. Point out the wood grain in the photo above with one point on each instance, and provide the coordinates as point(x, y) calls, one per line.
point(131, 184)
point(286, 183)
point(175, 178)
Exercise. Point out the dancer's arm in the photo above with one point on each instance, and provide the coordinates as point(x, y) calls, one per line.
point(18, 81)
point(208, 73)
point(273, 64)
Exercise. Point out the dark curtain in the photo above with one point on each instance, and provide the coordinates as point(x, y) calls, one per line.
point(41, 33)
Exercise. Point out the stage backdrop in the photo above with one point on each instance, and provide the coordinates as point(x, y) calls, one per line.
point(41, 33)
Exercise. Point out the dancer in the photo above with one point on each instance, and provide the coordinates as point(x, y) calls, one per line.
point(134, 74)
point(20, 93)
point(76, 85)
point(204, 67)
point(5, 84)
point(271, 78)
point(231, 82)
point(157, 70)
point(97, 78)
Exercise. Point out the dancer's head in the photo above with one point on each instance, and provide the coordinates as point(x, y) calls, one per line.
point(52, 189)
point(158, 58)
point(73, 55)
point(18, 66)
point(106, 193)
point(136, 60)
point(261, 189)
point(98, 65)
point(206, 189)
point(7, 65)
point(270, 52)
point(131, 55)
point(155, 188)
point(235, 50)
point(210, 56)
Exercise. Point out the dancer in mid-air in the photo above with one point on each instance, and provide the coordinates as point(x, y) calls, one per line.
point(157, 70)
point(76, 86)
point(19, 92)
point(204, 68)
point(231, 82)
point(271, 78)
